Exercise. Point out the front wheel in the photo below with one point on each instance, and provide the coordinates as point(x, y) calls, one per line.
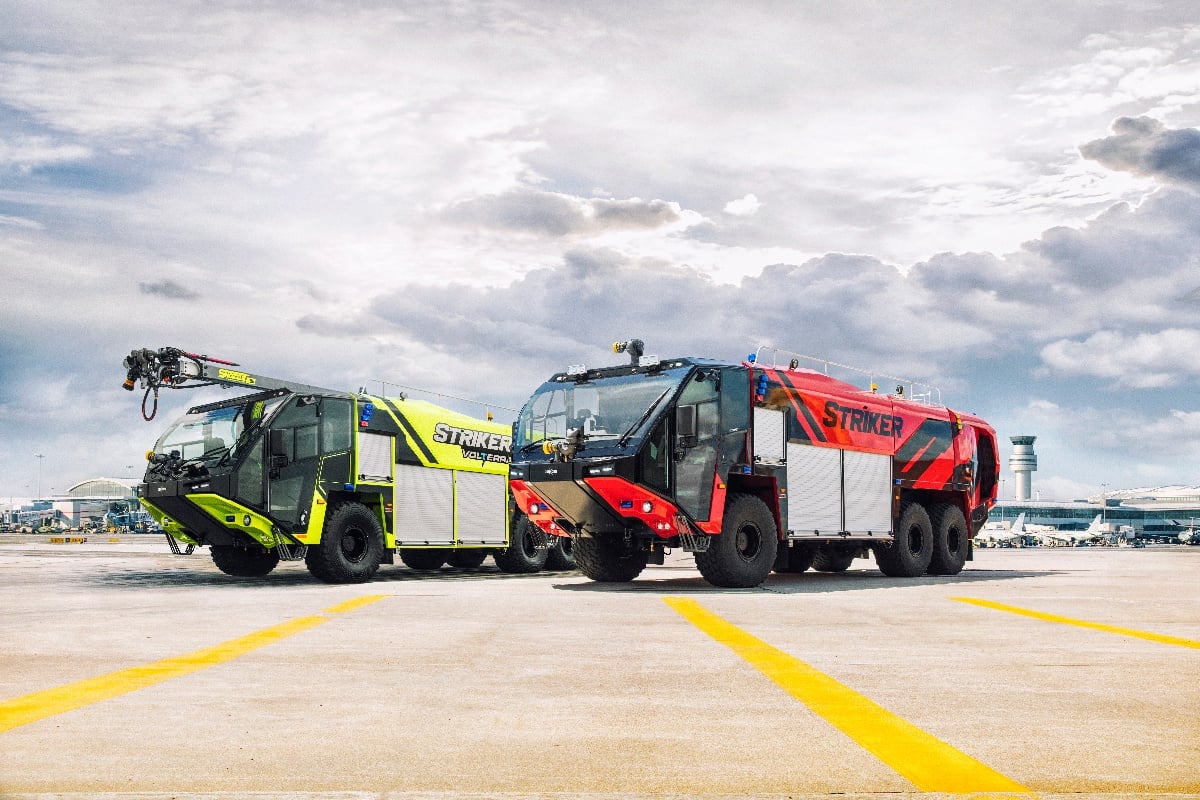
point(744, 553)
point(351, 546)
point(609, 559)
point(243, 562)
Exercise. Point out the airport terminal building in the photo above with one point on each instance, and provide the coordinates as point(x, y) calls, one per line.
point(1161, 511)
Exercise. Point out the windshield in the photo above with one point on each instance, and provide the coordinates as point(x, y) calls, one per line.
point(217, 434)
point(616, 408)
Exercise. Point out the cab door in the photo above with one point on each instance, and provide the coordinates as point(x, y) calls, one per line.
point(696, 442)
point(294, 459)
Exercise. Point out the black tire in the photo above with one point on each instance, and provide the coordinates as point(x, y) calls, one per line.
point(423, 560)
point(242, 562)
point(467, 559)
point(744, 553)
point(351, 546)
point(950, 540)
point(561, 555)
point(799, 559)
point(607, 560)
point(907, 556)
point(834, 558)
point(522, 555)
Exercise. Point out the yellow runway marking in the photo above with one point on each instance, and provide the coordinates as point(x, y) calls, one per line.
point(39, 705)
point(1081, 623)
point(931, 764)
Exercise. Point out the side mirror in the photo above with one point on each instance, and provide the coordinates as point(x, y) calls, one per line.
point(279, 447)
point(685, 425)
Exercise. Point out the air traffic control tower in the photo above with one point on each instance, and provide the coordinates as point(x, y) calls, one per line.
point(1022, 462)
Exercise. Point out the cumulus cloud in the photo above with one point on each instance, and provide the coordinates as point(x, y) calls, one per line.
point(1145, 146)
point(746, 206)
point(1140, 361)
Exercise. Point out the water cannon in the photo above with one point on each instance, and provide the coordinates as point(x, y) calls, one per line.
point(167, 366)
point(564, 449)
point(635, 348)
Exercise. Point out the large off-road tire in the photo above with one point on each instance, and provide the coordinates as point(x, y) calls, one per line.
point(834, 558)
point(242, 562)
point(799, 559)
point(561, 555)
point(950, 540)
point(744, 553)
point(522, 554)
point(351, 546)
point(908, 555)
point(467, 559)
point(608, 560)
point(424, 560)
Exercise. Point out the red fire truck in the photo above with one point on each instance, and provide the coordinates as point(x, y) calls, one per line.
point(751, 467)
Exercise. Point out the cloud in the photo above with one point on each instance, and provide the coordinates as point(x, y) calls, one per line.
point(559, 215)
point(1141, 361)
point(1144, 146)
point(746, 206)
point(168, 289)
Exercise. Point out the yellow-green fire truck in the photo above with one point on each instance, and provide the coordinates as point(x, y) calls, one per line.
point(341, 480)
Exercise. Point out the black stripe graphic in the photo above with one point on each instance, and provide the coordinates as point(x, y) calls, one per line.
point(408, 429)
point(934, 437)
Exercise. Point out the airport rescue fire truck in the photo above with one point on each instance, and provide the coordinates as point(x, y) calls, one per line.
point(751, 467)
point(341, 480)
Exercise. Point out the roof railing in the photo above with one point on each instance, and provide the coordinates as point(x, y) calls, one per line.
point(906, 388)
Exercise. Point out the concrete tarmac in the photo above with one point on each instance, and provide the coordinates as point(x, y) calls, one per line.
point(128, 672)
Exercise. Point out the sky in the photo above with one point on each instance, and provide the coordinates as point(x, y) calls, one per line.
point(1000, 199)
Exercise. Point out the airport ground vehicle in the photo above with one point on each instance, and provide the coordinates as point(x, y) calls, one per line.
point(751, 467)
point(341, 480)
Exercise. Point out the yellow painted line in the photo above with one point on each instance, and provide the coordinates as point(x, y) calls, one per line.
point(931, 764)
point(1082, 623)
point(59, 700)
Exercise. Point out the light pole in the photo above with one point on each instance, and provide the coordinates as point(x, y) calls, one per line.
point(39, 457)
point(1103, 504)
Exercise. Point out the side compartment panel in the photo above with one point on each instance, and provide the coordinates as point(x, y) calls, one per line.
point(868, 491)
point(424, 505)
point(482, 507)
point(814, 480)
point(770, 433)
point(374, 456)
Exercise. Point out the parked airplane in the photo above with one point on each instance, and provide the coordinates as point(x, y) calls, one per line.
point(994, 534)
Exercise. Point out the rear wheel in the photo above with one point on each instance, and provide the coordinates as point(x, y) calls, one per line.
point(423, 560)
point(800, 558)
point(834, 558)
point(351, 546)
point(244, 562)
point(950, 540)
point(467, 559)
point(608, 559)
point(907, 556)
point(522, 554)
point(561, 555)
point(744, 553)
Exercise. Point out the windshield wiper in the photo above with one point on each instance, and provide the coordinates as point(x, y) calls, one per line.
point(645, 416)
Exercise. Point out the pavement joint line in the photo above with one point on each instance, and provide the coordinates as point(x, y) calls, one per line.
point(69, 697)
point(929, 763)
point(1081, 623)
